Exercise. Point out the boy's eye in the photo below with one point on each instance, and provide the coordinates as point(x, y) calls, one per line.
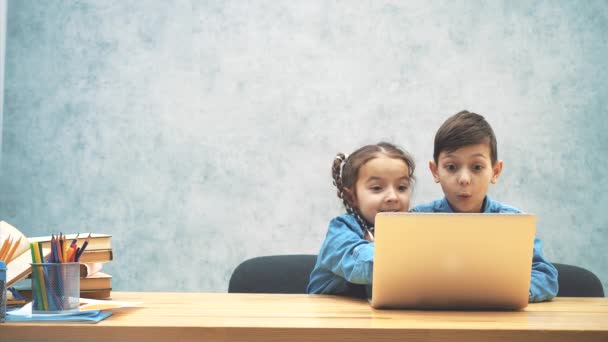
point(450, 167)
point(477, 167)
point(376, 188)
point(403, 187)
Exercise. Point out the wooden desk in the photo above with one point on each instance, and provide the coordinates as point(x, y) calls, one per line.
point(263, 317)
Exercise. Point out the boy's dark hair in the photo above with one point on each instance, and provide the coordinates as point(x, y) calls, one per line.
point(345, 171)
point(464, 129)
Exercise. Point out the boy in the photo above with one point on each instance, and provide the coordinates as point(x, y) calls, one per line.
point(465, 162)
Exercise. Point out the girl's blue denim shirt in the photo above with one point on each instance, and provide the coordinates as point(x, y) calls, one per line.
point(543, 283)
point(345, 261)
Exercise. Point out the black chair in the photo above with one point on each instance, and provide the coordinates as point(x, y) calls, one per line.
point(273, 274)
point(576, 281)
point(290, 274)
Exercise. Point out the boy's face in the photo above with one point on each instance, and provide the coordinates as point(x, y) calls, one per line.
point(383, 184)
point(465, 175)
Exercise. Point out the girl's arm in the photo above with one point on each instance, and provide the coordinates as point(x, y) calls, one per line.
point(346, 253)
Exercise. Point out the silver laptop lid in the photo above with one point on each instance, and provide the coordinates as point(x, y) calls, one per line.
point(440, 260)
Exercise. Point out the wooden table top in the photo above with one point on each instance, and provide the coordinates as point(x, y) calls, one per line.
point(283, 317)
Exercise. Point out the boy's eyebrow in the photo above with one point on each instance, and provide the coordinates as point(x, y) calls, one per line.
point(478, 154)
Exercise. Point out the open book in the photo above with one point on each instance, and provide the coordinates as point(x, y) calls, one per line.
point(18, 267)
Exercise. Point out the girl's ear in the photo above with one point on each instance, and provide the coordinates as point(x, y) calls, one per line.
point(496, 170)
point(350, 197)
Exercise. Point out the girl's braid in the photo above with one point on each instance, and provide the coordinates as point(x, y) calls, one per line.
point(336, 172)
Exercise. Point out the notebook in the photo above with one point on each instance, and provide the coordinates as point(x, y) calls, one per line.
point(452, 261)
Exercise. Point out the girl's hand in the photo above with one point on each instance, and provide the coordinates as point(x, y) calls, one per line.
point(368, 236)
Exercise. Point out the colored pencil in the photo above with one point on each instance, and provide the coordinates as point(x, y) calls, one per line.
point(6, 245)
point(12, 252)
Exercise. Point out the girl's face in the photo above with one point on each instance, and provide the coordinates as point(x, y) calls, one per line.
point(383, 185)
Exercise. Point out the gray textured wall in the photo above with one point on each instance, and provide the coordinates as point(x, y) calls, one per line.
point(200, 133)
point(2, 41)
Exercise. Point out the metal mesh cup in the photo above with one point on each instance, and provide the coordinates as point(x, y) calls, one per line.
point(55, 287)
point(3, 298)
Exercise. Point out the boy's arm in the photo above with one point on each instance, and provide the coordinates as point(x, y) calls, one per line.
point(543, 281)
point(346, 254)
point(543, 284)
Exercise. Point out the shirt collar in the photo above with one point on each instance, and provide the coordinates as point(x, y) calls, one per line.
point(445, 207)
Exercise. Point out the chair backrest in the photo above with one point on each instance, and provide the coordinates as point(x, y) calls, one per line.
point(290, 274)
point(273, 274)
point(576, 281)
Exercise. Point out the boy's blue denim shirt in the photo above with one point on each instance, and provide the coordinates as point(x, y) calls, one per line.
point(543, 284)
point(345, 261)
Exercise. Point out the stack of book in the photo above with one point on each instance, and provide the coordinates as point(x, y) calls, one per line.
point(93, 283)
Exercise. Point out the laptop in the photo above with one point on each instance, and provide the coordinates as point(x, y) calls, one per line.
point(452, 261)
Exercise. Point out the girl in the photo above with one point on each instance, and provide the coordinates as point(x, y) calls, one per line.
point(372, 179)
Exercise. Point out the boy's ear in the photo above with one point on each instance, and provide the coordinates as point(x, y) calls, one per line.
point(496, 170)
point(433, 168)
point(350, 197)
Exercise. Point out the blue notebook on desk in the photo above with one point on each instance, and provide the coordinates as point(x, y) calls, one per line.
point(24, 314)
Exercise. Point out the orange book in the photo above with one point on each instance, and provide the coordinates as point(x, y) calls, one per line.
point(96, 281)
point(96, 241)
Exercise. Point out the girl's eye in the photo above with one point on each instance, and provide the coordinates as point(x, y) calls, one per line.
point(403, 187)
point(477, 167)
point(376, 188)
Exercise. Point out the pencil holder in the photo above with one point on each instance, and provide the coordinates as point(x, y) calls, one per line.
point(55, 287)
point(3, 298)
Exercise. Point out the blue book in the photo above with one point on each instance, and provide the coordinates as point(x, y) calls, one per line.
point(25, 315)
